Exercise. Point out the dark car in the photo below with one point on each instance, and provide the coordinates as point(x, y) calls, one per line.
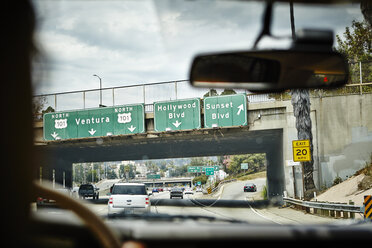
point(250, 187)
point(176, 192)
point(155, 190)
point(88, 190)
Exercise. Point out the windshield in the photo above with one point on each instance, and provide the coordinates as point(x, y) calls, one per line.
point(176, 190)
point(113, 105)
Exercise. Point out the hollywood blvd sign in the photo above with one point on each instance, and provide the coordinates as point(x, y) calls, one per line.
point(119, 120)
point(177, 115)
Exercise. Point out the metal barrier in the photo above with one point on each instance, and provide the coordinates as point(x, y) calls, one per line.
point(161, 91)
point(129, 94)
point(220, 184)
point(328, 209)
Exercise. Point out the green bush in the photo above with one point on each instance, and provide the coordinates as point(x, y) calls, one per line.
point(337, 180)
point(264, 192)
point(203, 179)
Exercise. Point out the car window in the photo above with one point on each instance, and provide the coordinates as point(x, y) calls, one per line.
point(86, 187)
point(129, 190)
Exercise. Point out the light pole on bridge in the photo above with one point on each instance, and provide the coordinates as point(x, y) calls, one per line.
point(100, 91)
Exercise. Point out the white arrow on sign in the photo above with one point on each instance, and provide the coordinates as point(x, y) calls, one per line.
point(131, 128)
point(241, 108)
point(176, 124)
point(54, 135)
point(92, 132)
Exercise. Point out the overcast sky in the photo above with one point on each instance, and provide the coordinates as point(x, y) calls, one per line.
point(134, 42)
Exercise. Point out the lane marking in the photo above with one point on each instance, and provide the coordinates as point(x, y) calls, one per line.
point(254, 211)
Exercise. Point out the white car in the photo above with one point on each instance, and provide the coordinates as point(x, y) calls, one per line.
point(129, 198)
point(199, 190)
point(188, 191)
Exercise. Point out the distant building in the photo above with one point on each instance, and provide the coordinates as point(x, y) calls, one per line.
point(220, 175)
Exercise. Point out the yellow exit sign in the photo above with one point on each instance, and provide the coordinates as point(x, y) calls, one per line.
point(301, 150)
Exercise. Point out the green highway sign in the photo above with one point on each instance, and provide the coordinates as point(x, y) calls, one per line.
point(153, 176)
point(119, 120)
point(225, 111)
point(195, 169)
point(192, 169)
point(209, 171)
point(177, 115)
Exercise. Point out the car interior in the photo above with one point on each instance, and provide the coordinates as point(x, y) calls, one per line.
point(309, 63)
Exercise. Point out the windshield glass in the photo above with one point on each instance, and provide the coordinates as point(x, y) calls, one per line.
point(86, 187)
point(129, 190)
point(113, 105)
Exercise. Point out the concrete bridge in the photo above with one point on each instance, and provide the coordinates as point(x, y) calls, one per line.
point(342, 139)
point(164, 181)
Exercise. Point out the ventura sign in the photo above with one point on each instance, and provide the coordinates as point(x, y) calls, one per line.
point(126, 119)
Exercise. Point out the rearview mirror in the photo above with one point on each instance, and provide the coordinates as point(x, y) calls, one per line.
point(270, 70)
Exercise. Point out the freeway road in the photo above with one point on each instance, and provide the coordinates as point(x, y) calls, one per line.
point(231, 191)
point(229, 194)
point(230, 203)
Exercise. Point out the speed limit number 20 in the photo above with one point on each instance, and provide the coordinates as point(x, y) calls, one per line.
point(301, 150)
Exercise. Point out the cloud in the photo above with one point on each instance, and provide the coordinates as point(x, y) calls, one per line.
point(131, 42)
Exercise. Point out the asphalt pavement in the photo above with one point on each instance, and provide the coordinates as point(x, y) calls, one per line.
point(230, 203)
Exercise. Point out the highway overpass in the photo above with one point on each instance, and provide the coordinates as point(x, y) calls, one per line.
point(341, 126)
point(164, 182)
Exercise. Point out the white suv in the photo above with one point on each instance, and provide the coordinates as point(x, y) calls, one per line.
point(129, 198)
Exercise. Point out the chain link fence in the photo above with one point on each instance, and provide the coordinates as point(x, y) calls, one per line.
point(360, 82)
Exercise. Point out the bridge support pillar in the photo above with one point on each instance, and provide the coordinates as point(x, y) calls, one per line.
point(275, 172)
point(59, 172)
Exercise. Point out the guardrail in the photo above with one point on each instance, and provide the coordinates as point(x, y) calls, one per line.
point(221, 183)
point(327, 209)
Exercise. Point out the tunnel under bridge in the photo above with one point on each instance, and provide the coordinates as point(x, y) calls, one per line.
point(58, 156)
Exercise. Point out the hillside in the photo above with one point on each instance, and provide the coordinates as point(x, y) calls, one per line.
point(345, 191)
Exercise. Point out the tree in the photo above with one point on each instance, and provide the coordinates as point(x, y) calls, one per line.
point(256, 162)
point(37, 107)
point(202, 178)
point(49, 109)
point(228, 92)
point(78, 173)
point(198, 161)
point(366, 8)
point(357, 47)
point(301, 110)
point(151, 167)
point(180, 171)
point(211, 92)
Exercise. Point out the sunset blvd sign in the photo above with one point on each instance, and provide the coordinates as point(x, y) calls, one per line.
point(177, 115)
point(125, 119)
point(225, 111)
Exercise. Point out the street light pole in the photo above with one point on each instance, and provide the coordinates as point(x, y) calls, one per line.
point(100, 90)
